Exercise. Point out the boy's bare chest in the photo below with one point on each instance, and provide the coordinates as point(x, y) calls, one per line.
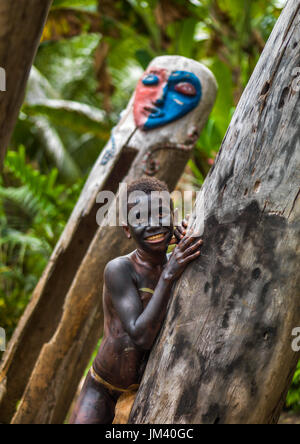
point(146, 281)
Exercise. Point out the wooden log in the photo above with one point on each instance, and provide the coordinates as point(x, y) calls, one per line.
point(73, 332)
point(37, 326)
point(224, 354)
point(21, 27)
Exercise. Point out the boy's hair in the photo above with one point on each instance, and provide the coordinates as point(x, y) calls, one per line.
point(147, 185)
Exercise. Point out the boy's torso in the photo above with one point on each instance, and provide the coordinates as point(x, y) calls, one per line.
point(119, 361)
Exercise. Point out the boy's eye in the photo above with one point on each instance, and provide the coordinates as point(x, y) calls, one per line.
point(140, 220)
point(186, 88)
point(164, 212)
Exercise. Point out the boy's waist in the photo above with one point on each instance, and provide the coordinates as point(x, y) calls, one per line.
point(108, 385)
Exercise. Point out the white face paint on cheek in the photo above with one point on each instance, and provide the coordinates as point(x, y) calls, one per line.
point(178, 101)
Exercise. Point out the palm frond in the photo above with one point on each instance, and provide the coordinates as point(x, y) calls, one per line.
point(38, 183)
point(25, 241)
point(76, 116)
point(21, 206)
point(56, 150)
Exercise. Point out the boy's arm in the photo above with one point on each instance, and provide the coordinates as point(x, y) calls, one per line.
point(141, 325)
point(144, 325)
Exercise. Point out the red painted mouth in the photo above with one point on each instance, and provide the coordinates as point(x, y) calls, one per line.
point(150, 109)
point(153, 111)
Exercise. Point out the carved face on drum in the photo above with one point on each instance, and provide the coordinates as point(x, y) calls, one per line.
point(163, 97)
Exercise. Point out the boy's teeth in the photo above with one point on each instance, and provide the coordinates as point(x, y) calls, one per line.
point(158, 236)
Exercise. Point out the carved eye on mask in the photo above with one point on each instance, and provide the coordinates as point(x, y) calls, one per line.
point(151, 80)
point(186, 88)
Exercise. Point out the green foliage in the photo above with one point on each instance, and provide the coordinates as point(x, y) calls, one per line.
point(86, 5)
point(34, 209)
point(78, 117)
point(91, 56)
point(293, 398)
point(68, 67)
point(60, 117)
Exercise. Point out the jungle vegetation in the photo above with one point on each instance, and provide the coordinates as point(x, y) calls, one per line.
point(91, 55)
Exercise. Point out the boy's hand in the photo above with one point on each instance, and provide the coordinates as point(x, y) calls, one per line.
point(185, 252)
point(180, 231)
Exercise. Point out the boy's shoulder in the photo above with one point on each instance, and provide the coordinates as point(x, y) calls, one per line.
point(117, 265)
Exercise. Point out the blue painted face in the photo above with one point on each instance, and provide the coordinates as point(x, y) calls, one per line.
point(161, 100)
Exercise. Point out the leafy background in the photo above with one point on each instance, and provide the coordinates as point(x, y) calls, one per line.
point(91, 55)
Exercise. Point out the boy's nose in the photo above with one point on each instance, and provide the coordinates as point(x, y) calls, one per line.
point(155, 223)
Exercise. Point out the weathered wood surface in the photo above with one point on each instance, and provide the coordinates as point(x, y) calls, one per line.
point(224, 354)
point(44, 311)
point(21, 26)
point(75, 290)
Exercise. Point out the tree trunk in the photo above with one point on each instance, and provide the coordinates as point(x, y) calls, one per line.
point(224, 354)
point(21, 26)
point(71, 324)
point(43, 314)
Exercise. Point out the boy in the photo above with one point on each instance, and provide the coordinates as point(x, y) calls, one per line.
point(137, 289)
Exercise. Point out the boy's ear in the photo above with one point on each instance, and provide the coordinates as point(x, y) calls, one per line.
point(126, 231)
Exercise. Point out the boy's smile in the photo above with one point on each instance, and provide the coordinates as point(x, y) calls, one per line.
point(150, 223)
point(157, 238)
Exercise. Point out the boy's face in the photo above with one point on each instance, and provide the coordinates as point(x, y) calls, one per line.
point(151, 222)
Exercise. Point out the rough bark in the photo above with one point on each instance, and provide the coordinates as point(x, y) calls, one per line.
point(21, 26)
point(76, 321)
point(224, 354)
point(43, 313)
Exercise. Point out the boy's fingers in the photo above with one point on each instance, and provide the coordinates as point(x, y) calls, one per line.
point(192, 249)
point(178, 235)
point(192, 257)
point(186, 241)
point(181, 230)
